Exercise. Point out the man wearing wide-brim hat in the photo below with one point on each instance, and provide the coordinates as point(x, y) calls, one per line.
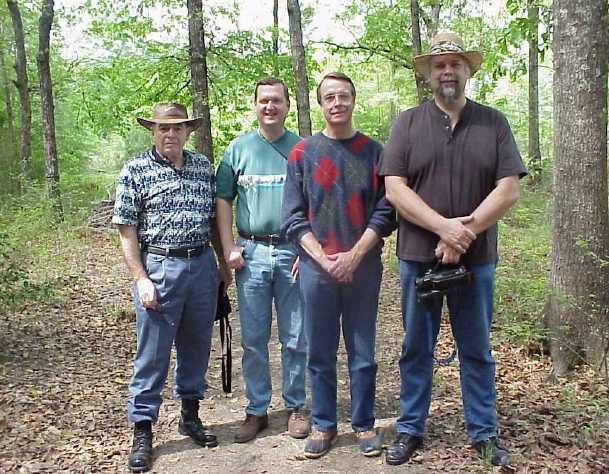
point(164, 211)
point(451, 170)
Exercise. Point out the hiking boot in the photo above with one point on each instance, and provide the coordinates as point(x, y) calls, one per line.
point(490, 450)
point(199, 434)
point(190, 425)
point(250, 427)
point(402, 449)
point(140, 458)
point(319, 443)
point(369, 443)
point(298, 425)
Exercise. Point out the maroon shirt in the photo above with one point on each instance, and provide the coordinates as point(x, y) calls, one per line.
point(453, 171)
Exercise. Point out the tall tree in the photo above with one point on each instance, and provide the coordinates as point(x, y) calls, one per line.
point(577, 308)
point(416, 46)
point(299, 67)
point(22, 85)
point(47, 106)
point(533, 38)
point(198, 72)
point(6, 86)
point(276, 37)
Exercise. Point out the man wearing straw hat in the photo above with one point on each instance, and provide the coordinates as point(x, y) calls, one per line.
point(451, 170)
point(164, 211)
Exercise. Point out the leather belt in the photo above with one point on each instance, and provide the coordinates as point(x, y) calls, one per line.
point(184, 252)
point(272, 239)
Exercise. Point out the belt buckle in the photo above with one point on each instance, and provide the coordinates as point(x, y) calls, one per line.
point(190, 252)
point(273, 239)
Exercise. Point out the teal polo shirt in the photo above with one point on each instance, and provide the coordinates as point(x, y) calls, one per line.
point(253, 171)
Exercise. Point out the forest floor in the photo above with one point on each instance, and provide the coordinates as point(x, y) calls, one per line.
point(65, 363)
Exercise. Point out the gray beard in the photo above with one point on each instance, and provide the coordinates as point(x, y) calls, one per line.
point(449, 94)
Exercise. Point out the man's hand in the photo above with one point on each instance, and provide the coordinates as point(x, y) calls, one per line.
point(233, 256)
point(454, 233)
point(147, 293)
point(343, 266)
point(446, 253)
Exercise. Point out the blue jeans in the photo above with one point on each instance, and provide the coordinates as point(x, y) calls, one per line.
point(187, 290)
point(327, 302)
point(471, 315)
point(267, 277)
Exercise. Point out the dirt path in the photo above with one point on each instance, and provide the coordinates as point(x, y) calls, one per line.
point(64, 368)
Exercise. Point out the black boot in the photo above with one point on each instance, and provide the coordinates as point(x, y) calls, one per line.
point(140, 458)
point(190, 425)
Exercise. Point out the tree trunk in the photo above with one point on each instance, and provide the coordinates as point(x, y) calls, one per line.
point(276, 37)
point(8, 101)
point(577, 308)
point(23, 87)
point(300, 69)
point(49, 144)
point(435, 18)
point(534, 149)
point(416, 48)
point(198, 71)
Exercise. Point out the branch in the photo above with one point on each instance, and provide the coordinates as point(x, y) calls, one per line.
point(383, 52)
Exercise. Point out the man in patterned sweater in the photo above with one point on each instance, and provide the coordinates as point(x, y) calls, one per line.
point(164, 210)
point(335, 212)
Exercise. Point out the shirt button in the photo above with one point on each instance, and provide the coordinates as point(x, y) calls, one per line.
point(447, 127)
point(446, 117)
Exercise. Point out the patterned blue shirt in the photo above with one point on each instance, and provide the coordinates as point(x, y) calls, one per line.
point(170, 207)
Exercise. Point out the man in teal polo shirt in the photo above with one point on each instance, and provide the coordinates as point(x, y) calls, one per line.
point(253, 171)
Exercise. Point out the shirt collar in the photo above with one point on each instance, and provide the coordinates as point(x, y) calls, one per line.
point(156, 156)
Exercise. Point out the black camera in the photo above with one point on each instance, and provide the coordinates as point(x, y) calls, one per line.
point(438, 280)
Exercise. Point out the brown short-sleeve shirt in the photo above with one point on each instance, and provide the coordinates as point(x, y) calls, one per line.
point(451, 170)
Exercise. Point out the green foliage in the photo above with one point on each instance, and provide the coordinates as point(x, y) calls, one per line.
point(17, 285)
point(522, 272)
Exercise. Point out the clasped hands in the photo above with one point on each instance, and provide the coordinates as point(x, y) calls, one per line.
point(341, 266)
point(455, 239)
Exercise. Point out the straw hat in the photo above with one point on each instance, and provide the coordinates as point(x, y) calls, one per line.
point(447, 43)
point(169, 113)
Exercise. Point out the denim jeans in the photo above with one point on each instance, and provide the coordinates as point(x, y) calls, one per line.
point(329, 303)
point(471, 315)
point(187, 290)
point(265, 278)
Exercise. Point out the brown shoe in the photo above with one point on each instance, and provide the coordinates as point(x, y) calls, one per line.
point(250, 427)
point(369, 443)
point(298, 425)
point(319, 443)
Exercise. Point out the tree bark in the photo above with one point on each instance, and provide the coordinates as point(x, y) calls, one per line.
point(576, 313)
point(199, 82)
point(22, 85)
point(416, 48)
point(300, 69)
point(276, 37)
point(8, 102)
point(534, 148)
point(49, 143)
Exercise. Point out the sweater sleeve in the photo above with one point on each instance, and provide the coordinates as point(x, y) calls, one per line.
point(295, 208)
point(383, 218)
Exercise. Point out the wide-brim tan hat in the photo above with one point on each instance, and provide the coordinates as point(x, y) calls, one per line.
point(447, 43)
point(166, 113)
